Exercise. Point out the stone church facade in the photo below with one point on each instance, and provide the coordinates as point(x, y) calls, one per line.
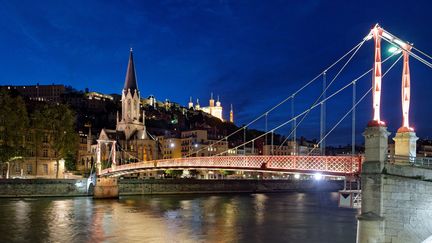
point(130, 138)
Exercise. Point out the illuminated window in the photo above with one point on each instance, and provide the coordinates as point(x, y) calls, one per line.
point(29, 168)
point(45, 153)
point(17, 168)
point(45, 168)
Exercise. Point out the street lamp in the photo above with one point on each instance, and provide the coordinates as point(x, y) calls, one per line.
point(394, 49)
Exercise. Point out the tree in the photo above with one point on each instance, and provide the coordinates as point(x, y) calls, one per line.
point(70, 164)
point(226, 172)
point(13, 127)
point(37, 132)
point(174, 173)
point(58, 121)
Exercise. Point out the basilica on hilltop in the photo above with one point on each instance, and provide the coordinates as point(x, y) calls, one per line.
point(212, 109)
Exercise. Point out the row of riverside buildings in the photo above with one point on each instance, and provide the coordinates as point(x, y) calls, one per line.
point(132, 140)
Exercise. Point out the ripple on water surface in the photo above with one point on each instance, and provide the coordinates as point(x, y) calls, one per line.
point(277, 217)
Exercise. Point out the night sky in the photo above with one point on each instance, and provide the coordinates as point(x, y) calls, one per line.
point(251, 53)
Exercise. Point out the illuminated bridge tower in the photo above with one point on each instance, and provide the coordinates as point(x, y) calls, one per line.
point(370, 221)
point(394, 205)
point(405, 139)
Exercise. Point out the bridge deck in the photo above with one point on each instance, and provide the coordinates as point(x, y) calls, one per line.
point(327, 165)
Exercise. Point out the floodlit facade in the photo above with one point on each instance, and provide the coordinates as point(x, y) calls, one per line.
point(130, 134)
point(215, 108)
point(196, 143)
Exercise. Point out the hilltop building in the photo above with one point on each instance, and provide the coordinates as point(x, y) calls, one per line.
point(50, 93)
point(215, 108)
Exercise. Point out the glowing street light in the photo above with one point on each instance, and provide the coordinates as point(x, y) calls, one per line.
point(394, 49)
point(318, 176)
point(297, 176)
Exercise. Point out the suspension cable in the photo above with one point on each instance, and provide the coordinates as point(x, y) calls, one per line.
point(423, 53)
point(420, 59)
point(283, 101)
point(324, 91)
point(302, 113)
point(289, 135)
point(353, 107)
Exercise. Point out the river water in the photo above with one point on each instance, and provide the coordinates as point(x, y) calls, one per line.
point(274, 217)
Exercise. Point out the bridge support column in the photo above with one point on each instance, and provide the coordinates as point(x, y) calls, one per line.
point(370, 226)
point(106, 188)
point(405, 146)
point(98, 158)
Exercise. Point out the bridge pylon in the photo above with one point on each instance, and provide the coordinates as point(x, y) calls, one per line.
point(405, 139)
point(370, 225)
point(105, 187)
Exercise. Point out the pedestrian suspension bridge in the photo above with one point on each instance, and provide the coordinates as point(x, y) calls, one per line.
point(347, 165)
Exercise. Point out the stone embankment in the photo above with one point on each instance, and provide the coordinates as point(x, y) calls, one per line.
point(71, 188)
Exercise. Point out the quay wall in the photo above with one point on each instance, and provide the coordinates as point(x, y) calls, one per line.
point(43, 188)
point(71, 187)
point(184, 186)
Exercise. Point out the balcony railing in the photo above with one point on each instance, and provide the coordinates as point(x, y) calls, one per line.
point(424, 162)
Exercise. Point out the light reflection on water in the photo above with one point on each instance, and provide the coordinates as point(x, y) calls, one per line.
point(282, 217)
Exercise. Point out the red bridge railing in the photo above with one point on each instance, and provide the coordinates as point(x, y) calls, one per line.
point(331, 165)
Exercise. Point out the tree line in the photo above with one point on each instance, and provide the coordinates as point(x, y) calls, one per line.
point(27, 125)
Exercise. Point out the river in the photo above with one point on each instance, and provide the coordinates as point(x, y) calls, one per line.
point(273, 217)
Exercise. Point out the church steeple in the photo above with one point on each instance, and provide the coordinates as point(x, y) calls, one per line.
point(130, 80)
point(190, 104)
point(130, 122)
point(211, 102)
point(232, 114)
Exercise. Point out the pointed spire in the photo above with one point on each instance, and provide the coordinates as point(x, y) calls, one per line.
point(190, 104)
point(130, 80)
point(197, 106)
point(211, 101)
point(218, 103)
point(231, 114)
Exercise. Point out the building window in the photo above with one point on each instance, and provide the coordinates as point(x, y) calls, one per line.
point(29, 168)
point(45, 153)
point(45, 168)
point(45, 138)
point(17, 167)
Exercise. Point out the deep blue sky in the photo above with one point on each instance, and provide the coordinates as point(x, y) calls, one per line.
point(252, 53)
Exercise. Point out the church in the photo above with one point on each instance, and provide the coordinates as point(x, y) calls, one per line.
point(212, 109)
point(130, 138)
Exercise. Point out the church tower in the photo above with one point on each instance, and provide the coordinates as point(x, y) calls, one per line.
point(211, 101)
point(231, 114)
point(129, 122)
point(190, 104)
point(197, 106)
